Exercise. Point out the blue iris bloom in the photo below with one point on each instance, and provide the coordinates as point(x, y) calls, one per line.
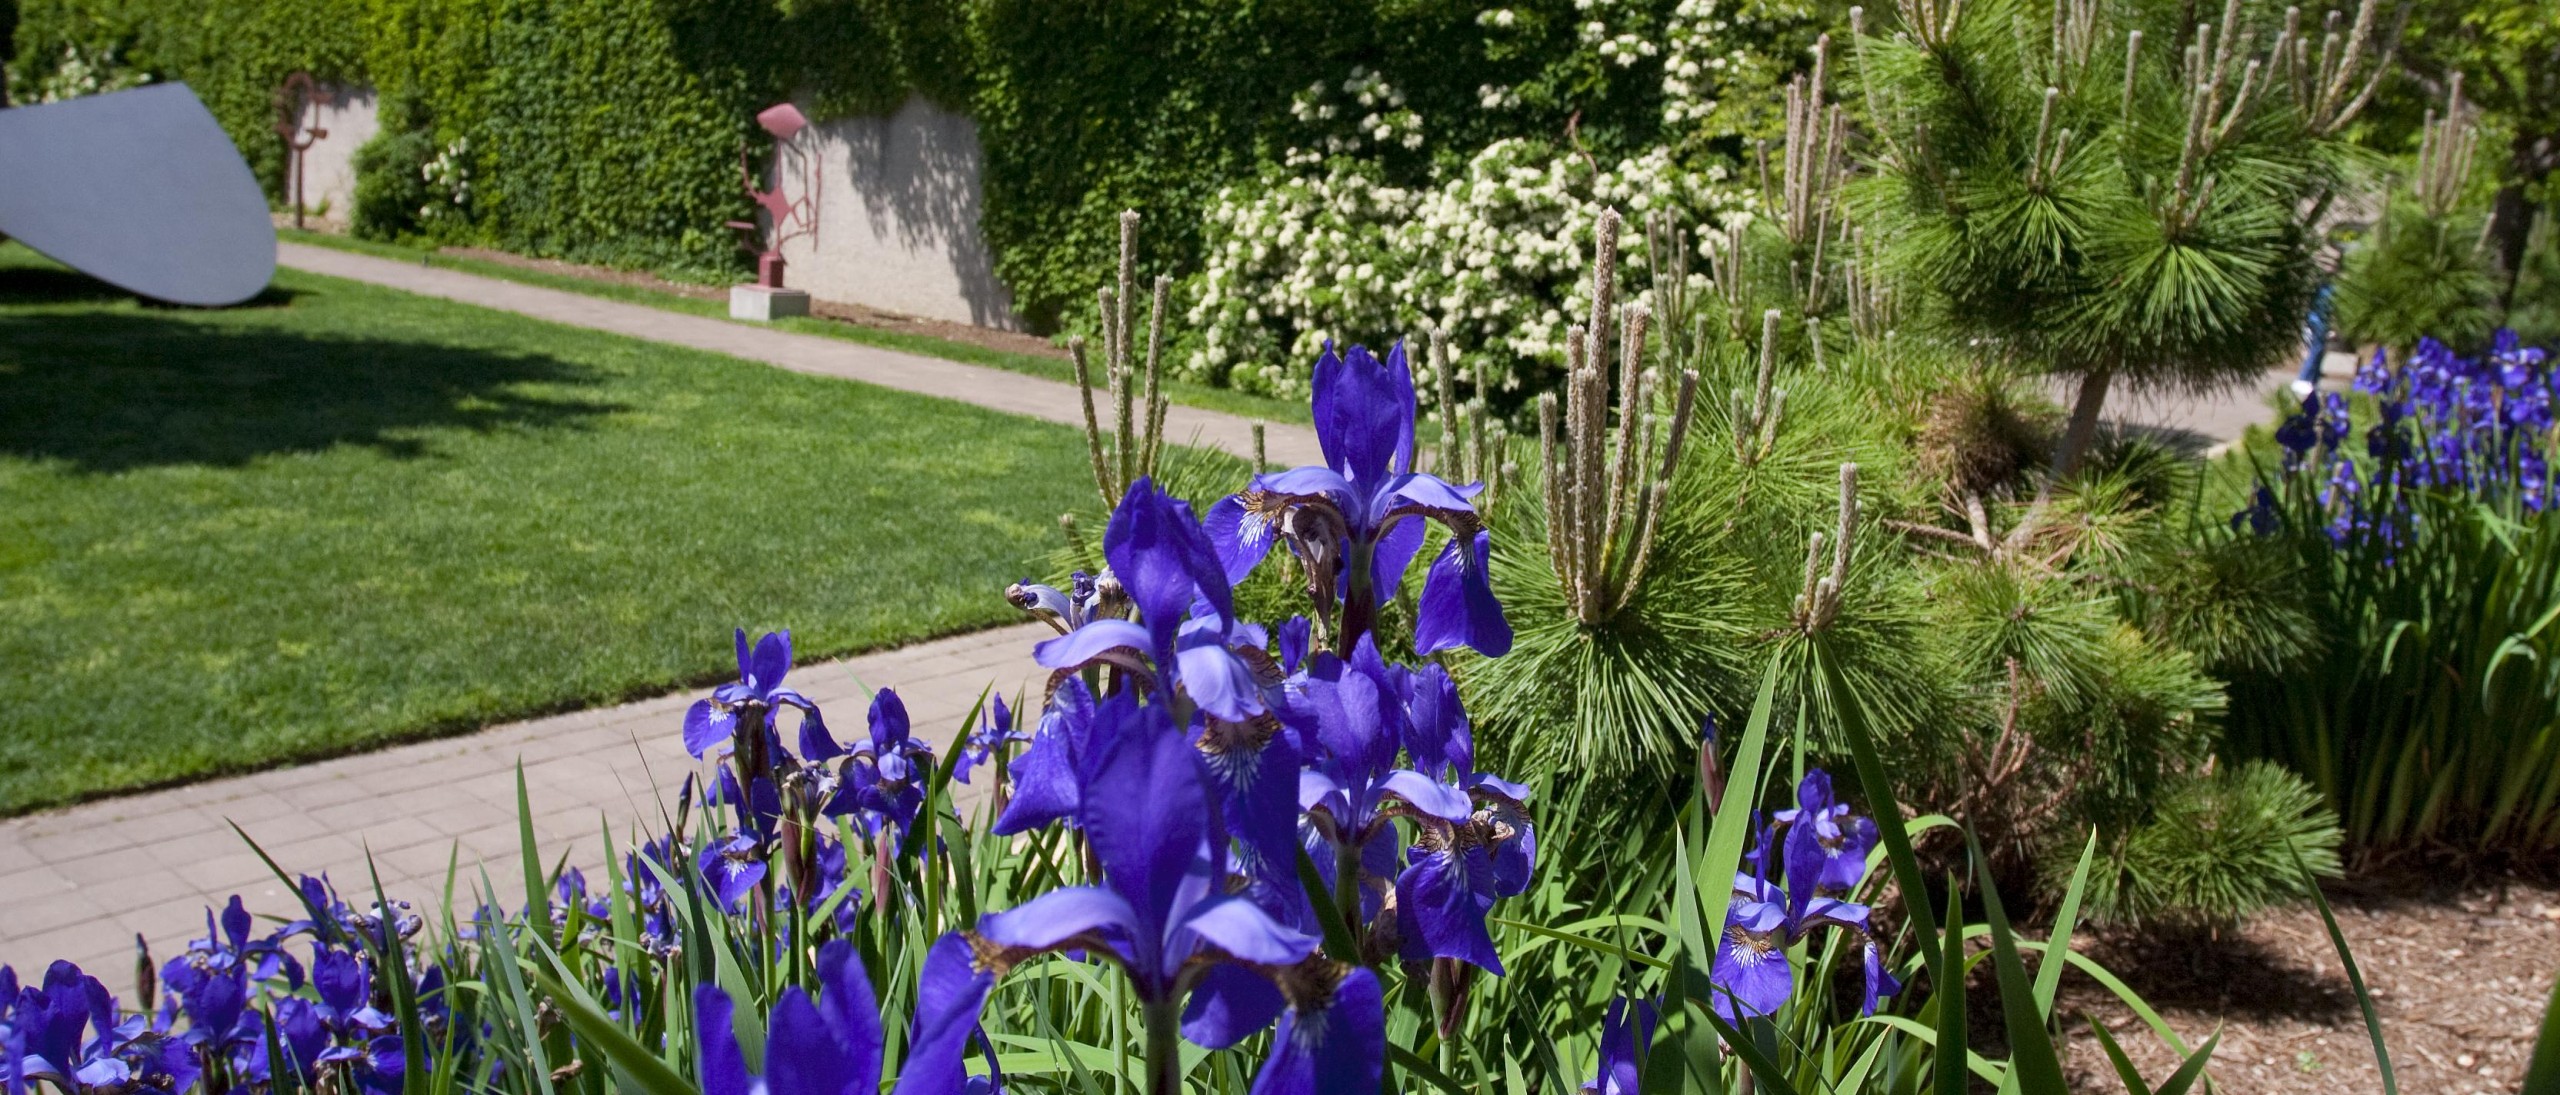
point(1357, 521)
point(41, 1032)
point(832, 1045)
point(711, 726)
point(1165, 916)
point(995, 731)
point(1626, 1037)
point(884, 782)
point(1186, 638)
point(1824, 850)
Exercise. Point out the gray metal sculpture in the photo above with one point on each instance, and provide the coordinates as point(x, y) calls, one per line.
point(140, 189)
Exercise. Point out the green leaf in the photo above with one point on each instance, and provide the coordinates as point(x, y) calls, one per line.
point(2192, 1069)
point(2125, 1071)
point(1882, 803)
point(1406, 1060)
point(633, 1061)
point(504, 963)
point(537, 896)
point(2542, 1074)
point(2355, 979)
point(1337, 935)
point(2032, 1061)
point(1598, 946)
point(1946, 987)
point(2049, 968)
point(1766, 1072)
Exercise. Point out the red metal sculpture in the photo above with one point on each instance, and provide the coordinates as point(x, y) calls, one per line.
point(294, 99)
point(785, 218)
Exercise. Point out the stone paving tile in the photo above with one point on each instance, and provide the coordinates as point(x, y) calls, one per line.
point(78, 882)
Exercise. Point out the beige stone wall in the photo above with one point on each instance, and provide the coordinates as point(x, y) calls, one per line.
point(898, 215)
point(328, 168)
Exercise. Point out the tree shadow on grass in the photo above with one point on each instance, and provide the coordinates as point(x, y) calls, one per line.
point(112, 391)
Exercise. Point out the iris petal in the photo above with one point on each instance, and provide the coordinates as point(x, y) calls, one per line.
point(949, 996)
point(851, 1012)
point(1442, 900)
point(1230, 1004)
point(1329, 1044)
point(1458, 606)
point(723, 1064)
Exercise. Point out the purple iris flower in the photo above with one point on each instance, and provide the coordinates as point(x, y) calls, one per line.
point(1348, 520)
point(711, 726)
point(345, 987)
point(734, 867)
point(1824, 852)
point(995, 731)
point(1045, 785)
point(2374, 376)
point(1186, 637)
point(2261, 517)
point(1085, 600)
point(1457, 867)
point(41, 1030)
point(1165, 916)
point(884, 782)
point(2300, 432)
point(833, 1045)
point(378, 1065)
point(302, 1036)
point(226, 945)
point(1352, 718)
point(1626, 1036)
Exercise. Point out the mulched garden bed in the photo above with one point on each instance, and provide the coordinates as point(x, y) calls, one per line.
point(2461, 969)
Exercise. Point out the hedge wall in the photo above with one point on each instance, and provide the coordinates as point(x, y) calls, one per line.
point(608, 130)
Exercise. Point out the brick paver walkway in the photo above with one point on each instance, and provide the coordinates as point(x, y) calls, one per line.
point(79, 883)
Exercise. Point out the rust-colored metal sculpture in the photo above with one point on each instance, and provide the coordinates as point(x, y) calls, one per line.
point(785, 218)
point(295, 98)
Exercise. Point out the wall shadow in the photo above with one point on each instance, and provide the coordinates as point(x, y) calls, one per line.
point(919, 170)
point(109, 392)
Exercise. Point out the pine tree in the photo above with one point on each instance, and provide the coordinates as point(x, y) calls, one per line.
point(2100, 193)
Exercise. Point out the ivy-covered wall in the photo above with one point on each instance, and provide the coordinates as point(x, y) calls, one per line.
point(609, 130)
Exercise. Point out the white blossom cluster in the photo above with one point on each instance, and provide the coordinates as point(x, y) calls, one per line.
point(1362, 113)
point(1495, 254)
point(1618, 47)
point(448, 178)
point(1708, 50)
point(78, 76)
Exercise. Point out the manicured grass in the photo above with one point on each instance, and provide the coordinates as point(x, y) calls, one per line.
point(1195, 395)
point(345, 515)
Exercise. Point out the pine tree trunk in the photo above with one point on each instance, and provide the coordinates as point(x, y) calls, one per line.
point(2083, 427)
point(2067, 455)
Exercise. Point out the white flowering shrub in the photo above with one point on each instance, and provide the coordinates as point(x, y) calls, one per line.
point(448, 179)
point(1495, 254)
point(81, 75)
point(1349, 238)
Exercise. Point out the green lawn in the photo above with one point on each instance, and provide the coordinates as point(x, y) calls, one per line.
point(1203, 396)
point(344, 515)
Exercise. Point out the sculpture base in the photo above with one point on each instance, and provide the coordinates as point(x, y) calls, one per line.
point(765, 304)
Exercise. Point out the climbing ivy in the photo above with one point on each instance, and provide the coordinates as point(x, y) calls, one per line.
point(609, 130)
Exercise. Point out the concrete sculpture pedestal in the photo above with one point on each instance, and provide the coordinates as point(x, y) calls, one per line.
point(764, 304)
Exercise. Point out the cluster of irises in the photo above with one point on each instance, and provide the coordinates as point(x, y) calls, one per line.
point(2480, 425)
point(1268, 818)
point(325, 1022)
